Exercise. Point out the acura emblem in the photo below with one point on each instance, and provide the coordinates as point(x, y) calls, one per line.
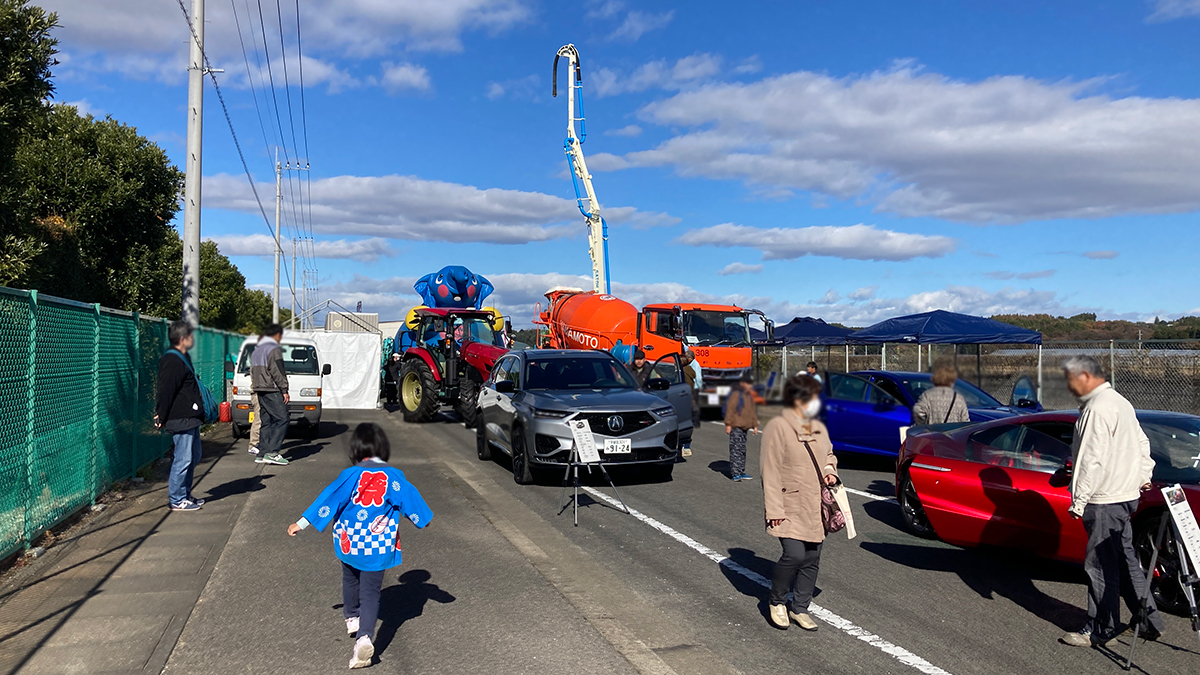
point(616, 423)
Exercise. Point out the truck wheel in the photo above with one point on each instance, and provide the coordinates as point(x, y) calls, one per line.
point(468, 393)
point(522, 472)
point(418, 391)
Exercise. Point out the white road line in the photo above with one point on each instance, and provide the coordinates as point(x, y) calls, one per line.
point(899, 653)
point(870, 495)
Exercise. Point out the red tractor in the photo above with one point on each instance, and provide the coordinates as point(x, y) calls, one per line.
point(447, 354)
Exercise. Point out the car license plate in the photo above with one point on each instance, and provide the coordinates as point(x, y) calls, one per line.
point(618, 446)
point(722, 391)
point(713, 399)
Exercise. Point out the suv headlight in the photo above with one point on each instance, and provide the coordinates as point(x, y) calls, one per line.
point(549, 414)
point(310, 391)
point(664, 412)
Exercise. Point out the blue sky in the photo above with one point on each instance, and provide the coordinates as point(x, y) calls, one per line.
point(852, 161)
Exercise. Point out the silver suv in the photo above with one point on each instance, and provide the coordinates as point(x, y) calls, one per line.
point(525, 407)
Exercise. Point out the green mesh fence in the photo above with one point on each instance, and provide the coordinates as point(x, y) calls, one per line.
point(77, 390)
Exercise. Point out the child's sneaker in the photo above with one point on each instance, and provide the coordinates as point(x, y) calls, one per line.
point(271, 458)
point(363, 651)
point(352, 626)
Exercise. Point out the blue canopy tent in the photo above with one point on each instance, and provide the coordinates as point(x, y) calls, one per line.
point(807, 331)
point(946, 328)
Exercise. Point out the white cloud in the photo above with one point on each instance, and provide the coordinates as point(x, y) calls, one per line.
point(411, 208)
point(84, 107)
point(740, 268)
point(362, 250)
point(148, 38)
point(637, 24)
point(853, 242)
point(605, 9)
point(1003, 274)
point(1005, 149)
point(521, 88)
point(400, 76)
point(1101, 255)
point(685, 72)
point(749, 65)
point(864, 293)
point(627, 131)
point(831, 297)
point(1167, 10)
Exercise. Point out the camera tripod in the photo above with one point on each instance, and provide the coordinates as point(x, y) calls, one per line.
point(572, 475)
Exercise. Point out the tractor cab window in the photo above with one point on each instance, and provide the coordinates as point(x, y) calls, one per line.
point(478, 329)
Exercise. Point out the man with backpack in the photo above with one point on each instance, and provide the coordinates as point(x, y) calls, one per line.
point(180, 410)
point(269, 382)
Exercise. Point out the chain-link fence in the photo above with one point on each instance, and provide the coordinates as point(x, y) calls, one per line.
point(77, 390)
point(1152, 374)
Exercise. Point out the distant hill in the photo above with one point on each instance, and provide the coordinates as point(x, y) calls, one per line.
point(1087, 327)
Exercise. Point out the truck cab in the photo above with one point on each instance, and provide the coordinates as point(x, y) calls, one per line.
point(305, 372)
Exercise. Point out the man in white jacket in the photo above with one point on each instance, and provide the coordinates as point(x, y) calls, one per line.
point(1112, 467)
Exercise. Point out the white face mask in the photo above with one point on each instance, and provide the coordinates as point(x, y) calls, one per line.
point(812, 408)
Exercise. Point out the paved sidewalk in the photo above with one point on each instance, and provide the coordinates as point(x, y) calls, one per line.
point(115, 597)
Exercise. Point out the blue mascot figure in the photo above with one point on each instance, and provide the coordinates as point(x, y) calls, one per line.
point(453, 286)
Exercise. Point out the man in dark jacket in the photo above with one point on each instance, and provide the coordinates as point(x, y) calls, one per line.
point(391, 385)
point(642, 368)
point(269, 381)
point(179, 410)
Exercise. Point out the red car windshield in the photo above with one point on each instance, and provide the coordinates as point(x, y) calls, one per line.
point(1175, 446)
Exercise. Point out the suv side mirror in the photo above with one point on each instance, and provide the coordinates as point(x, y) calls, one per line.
point(326, 369)
point(505, 387)
point(1026, 403)
point(658, 384)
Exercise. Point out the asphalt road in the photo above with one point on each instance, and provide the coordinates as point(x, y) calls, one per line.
point(501, 582)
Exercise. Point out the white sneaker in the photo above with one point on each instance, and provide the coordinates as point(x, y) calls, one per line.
point(779, 616)
point(252, 450)
point(352, 626)
point(363, 651)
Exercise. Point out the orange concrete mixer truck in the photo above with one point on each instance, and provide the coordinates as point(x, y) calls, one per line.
point(718, 334)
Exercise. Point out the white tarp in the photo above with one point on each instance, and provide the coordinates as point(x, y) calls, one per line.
point(354, 360)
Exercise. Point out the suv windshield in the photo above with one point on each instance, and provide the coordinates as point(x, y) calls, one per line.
point(715, 328)
point(973, 396)
point(297, 359)
point(1174, 445)
point(576, 373)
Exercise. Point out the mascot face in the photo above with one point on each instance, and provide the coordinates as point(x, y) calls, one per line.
point(453, 286)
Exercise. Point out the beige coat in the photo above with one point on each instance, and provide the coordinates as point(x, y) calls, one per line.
point(791, 486)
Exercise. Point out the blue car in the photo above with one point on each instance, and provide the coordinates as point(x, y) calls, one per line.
point(865, 410)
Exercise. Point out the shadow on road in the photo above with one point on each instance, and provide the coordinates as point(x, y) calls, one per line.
point(399, 603)
point(751, 561)
point(992, 573)
point(720, 466)
point(236, 487)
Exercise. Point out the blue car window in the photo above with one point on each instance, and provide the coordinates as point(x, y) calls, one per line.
point(846, 387)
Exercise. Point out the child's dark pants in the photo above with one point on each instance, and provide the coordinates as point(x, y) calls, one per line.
point(360, 597)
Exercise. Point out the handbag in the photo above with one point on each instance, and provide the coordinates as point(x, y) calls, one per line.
point(832, 517)
point(212, 412)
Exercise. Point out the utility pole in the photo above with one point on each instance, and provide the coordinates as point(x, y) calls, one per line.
point(293, 321)
point(191, 183)
point(278, 209)
point(304, 292)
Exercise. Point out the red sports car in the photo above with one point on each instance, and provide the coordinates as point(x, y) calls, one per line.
point(1005, 483)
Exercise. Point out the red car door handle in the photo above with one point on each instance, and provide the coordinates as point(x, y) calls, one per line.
point(931, 467)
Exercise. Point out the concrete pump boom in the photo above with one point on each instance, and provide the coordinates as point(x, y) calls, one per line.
point(589, 206)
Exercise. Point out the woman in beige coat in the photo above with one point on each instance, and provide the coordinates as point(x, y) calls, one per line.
point(792, 494)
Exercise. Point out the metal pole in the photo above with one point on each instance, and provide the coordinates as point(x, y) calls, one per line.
point(192, 177)
point(278, 207)
point(979, 366)
point(293, 319)
point(883, 357)
point(303, 294)
point(1039, 373)
point(918, 357)
point(1112, 365)
point(847, 358)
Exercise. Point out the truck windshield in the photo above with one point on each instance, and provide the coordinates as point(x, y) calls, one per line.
point(577, 373)
point(706, 328)
point(297, 359)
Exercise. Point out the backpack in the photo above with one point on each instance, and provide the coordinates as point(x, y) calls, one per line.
point(212, 412)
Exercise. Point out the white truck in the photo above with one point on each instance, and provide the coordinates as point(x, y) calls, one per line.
point(303, 366)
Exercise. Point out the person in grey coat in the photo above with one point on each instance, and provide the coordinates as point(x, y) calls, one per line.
point(942, 404)
point(269, 382)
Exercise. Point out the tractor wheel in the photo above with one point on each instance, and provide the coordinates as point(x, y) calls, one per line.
point(467, 403)
point(418, 391)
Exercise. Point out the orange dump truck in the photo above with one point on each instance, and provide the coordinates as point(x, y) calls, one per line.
point(718, 334)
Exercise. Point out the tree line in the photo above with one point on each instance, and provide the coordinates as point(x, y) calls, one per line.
point(87, 205)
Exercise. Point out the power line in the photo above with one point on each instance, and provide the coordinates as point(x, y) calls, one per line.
point(228, 120)
point(304, 126)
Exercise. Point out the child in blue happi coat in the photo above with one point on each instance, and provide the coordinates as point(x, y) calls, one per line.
point(365, 503)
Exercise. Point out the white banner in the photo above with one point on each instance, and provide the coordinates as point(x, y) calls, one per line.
point(1185, 521)
point(354, 360)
